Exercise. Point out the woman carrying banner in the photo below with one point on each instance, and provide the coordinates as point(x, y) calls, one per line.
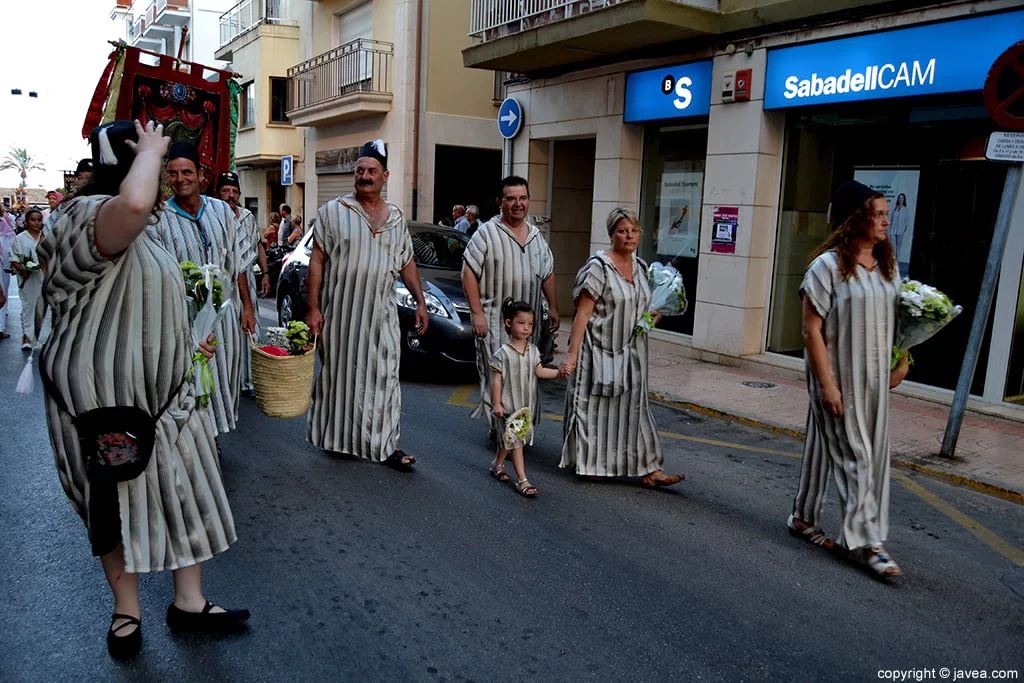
point(121, 342)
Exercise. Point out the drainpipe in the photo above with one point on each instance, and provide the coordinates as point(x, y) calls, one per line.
point(416, 110)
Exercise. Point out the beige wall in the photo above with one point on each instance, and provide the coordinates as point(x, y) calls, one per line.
point(275, 50)
point(452, 88)
point(325, 22)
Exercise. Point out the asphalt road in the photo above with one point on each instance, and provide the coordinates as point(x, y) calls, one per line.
point(356, 572)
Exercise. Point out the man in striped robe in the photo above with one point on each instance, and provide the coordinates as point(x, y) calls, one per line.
point(361, 244)
point(251, 250)
point(506, 257)
point(205, 231)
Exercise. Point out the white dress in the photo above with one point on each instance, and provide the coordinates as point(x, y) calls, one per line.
point(357, 401)
point(121, 338)
point(24, 249)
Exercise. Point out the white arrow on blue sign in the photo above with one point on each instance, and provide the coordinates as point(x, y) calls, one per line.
point(510, 118)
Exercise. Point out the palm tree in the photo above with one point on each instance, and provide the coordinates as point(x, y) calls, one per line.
point(21, 161)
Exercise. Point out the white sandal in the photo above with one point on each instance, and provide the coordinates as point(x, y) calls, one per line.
point(878, 560)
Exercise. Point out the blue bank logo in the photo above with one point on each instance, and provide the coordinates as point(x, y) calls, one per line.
point(668, 92)
point(952, 56)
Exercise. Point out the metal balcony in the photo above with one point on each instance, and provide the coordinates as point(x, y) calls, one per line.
point(138, 37)
point(535, 35)
point(348, 82)
point(151, 29)
point(173, 13)
point(245, 16)
point(122, 9)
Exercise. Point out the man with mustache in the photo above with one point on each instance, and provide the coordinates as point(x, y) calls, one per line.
point(205, 231)
point(361, 244)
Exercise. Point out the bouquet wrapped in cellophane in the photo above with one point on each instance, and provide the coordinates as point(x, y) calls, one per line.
point(668, 295)
point(921, 311)
point(518, 428)
point(202, 284)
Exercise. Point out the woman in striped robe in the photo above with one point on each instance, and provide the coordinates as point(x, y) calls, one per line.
point(849, 321)
point(121, 338)
point(609, 430)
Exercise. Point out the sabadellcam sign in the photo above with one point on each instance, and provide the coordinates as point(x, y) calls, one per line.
point(952, 56)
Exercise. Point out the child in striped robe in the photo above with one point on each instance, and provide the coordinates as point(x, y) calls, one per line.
point(516, 366)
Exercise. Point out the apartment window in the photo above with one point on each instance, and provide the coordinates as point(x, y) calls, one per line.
point(247, 106)
point(278, 100)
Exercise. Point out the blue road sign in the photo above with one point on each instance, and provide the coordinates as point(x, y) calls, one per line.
point(510, 118)
point(287, 167)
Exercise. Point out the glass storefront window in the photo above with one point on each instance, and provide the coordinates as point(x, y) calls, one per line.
point(928, 154)
point(671, 195)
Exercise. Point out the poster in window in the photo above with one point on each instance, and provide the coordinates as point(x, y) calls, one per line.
point(680, 202)
point(899, 185)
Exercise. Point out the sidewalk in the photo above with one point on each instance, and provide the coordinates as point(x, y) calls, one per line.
point(989, 455)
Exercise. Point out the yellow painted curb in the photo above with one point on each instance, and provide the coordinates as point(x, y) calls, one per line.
point(906, 463)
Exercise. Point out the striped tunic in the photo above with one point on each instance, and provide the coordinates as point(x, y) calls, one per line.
point(504, 268)
point(609, 430)
point(248, 249)
point(213, 237)
point(518, 386)
point(121, 338)
point(860, 325)
point(357, 400)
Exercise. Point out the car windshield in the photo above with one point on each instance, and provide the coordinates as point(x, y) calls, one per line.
point(435, 249)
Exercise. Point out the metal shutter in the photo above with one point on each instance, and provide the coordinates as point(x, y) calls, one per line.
point(355, 24)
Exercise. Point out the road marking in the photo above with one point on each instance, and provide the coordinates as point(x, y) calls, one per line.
point(991, 539)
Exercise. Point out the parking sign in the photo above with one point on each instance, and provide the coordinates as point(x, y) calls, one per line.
point(287, 165)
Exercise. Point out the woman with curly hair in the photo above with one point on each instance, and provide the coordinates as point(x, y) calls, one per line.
point(849, 321)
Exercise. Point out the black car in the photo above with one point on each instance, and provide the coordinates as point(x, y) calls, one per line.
point(438, 254)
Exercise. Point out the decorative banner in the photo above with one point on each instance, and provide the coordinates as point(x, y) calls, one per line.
point(899, 185)
point(723, 229)
point(679, 217)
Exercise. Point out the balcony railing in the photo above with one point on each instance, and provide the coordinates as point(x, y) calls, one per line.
point(173, 12)
point(490, 19)
point(248, 14)
point(362, 66)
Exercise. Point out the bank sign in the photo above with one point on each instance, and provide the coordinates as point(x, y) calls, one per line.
point(668, 92)
point(953, 56)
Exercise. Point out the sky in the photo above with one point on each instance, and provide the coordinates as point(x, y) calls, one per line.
point(59, 52)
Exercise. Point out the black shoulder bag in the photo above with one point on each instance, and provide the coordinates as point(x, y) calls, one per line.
point(116, 442)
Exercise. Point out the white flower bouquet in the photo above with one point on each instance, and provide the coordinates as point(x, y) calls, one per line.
point(668, 295)
point(28, 264)
point(518, 427)
point(921, 311)
point(204, 281)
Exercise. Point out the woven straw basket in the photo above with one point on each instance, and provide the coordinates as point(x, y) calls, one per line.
point(283, 383)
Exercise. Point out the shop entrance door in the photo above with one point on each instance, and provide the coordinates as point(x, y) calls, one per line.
point(571, 211)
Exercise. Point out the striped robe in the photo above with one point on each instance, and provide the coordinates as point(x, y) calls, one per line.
point(213, 237)
point(860, 325)
point(121, 338)
point(609, 430)
point(29, 290)
point(248, 249)
point(357, 400)
point(518, 387)
point(504, 268)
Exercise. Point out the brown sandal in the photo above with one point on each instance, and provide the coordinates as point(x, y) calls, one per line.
point(499, 473)
point(810, 533)
point(651, 481)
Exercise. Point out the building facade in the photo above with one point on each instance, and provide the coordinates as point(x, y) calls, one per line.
point(261, 40)
point(392, 69)
point(190, 28)
point(728, 125)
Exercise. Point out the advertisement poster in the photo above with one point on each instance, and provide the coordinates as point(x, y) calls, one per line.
point(723, 229)
point(680, 201)
point(899, 185)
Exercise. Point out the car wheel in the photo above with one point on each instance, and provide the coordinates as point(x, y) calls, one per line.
point(286, 309)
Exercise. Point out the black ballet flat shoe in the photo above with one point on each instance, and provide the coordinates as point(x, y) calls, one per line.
point(401, 461)
point(206, 621)
point(128, 645)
